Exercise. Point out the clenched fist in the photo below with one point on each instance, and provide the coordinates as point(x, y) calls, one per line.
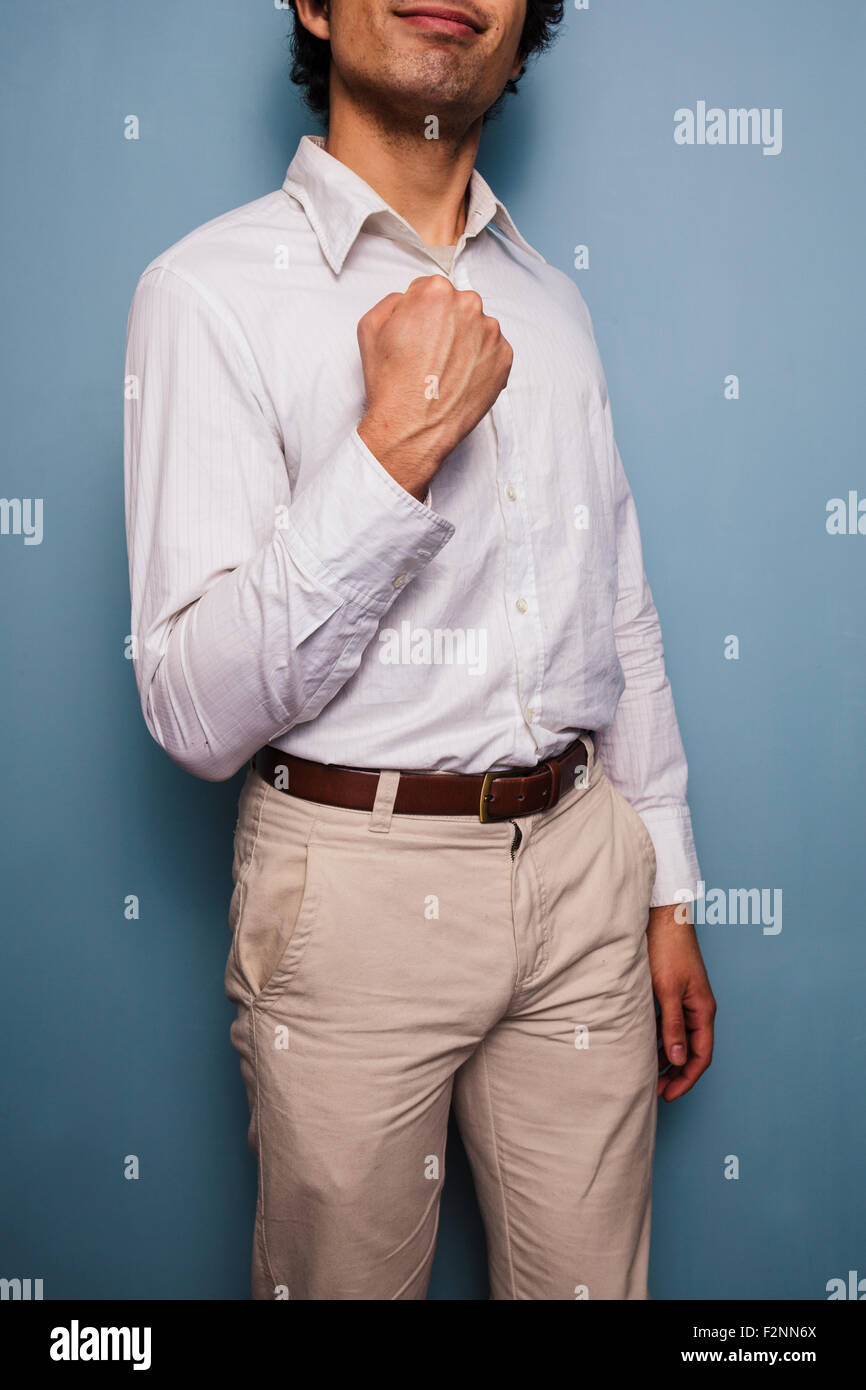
point(434, 364)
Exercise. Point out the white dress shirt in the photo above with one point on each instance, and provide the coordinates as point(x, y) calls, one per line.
point(287, 590)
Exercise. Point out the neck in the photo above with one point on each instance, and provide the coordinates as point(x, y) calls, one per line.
point(425, 181)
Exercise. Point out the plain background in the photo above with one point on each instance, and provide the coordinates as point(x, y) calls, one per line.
point(703, 262)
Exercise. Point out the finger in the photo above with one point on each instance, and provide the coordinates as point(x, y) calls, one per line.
point(684, 1079)
point(700, 1056)
point(665, 1080)
point(674, 1028)
point(424, 279)
point(701, 1037)
point(664, 1064)
point(375, 317)
point(700, 1016)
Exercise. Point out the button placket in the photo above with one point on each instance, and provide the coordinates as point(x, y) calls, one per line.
point(521, 606)
point(520, 587)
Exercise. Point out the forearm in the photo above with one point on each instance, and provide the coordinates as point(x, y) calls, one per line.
point(274, 639)
point(236, 668)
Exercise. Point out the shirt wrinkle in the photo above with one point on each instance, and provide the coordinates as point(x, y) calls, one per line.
point(287, 589)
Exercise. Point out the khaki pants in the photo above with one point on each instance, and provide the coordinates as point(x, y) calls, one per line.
point(384, 965)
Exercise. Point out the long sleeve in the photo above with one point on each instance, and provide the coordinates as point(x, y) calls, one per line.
point(642, 751)
point(250, 608)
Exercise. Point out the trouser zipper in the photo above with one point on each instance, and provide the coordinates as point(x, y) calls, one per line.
point(516, 838)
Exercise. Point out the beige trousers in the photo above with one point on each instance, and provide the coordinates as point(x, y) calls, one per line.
point(384, 965)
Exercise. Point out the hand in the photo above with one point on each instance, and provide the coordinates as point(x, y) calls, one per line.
point(688, 1008)
point(434, 363)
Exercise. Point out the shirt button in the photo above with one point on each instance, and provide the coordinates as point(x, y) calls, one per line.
point(521, 605)
point(398, 581)
point(511, 492)
point(530, 714)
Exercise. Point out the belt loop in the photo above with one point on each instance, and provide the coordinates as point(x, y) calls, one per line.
point(554, 782)
point(584, 774)
point(383, 806)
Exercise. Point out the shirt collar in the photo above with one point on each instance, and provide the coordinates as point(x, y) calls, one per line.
point(338, 202)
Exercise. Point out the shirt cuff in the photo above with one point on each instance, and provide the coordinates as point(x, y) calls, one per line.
point(678, 876)
point(354, 526)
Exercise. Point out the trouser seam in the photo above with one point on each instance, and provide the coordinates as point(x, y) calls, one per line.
point(261, 1170)
point(506, 1228)
point(242, 896)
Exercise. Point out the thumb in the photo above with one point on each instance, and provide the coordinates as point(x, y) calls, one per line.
point(382, 311)
point(674, 1030)
point(374, 319)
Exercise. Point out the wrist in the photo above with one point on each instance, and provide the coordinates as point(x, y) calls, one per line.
point(412, 460)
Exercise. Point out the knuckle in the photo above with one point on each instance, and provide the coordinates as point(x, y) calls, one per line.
point(470, 301)
point(668, 991)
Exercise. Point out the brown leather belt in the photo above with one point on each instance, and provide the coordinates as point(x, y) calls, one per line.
point(493, 795)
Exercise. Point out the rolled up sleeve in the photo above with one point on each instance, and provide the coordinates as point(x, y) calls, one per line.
point(250, 608)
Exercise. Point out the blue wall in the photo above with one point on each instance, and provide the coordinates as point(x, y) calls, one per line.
point(703, 261)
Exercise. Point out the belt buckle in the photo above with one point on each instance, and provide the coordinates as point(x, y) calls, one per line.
point(555, 781)
point(483, 813)
point(550, 764)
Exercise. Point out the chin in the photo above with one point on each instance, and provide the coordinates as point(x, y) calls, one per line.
point(438, 92)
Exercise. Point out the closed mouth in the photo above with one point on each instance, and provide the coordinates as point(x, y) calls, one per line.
point(440, 18)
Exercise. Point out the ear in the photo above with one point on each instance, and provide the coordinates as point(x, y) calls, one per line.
point(518, 65)
point(313, 14)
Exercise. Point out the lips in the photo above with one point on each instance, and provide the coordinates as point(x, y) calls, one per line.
point(441, 19)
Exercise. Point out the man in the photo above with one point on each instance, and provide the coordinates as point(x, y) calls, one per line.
point(382, 544)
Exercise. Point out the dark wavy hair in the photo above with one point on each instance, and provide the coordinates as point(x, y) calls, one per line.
point(311, 57)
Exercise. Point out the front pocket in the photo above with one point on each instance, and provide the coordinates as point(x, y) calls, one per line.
point(270, 903)
point(636, 821)
point(298, 922)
